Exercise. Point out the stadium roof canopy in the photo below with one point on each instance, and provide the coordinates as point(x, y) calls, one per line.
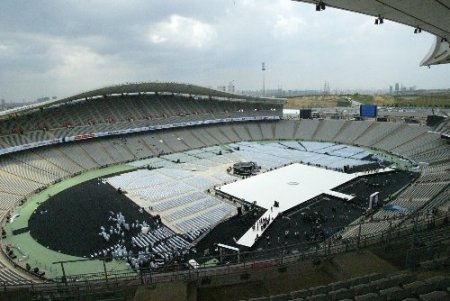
point(140, 88)
point(432, 16)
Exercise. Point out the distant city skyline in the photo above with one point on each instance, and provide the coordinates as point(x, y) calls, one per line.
point(50, 47)
point(282, 93)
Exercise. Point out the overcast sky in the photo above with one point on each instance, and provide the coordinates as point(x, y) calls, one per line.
point(61, 48)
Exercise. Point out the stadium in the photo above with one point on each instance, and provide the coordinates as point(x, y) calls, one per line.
point(114, 190)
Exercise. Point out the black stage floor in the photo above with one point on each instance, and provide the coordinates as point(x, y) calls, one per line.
point(70, 221)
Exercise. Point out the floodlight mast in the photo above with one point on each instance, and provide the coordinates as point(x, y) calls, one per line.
point(264, 79)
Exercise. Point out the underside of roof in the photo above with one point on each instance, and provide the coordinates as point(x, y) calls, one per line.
point(141, 88)
point(432, 16)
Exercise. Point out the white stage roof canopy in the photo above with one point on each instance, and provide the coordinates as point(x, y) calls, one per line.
point(290, 186)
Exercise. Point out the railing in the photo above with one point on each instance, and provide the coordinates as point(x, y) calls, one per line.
point(251, 261)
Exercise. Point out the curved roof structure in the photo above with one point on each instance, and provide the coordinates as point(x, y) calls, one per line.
point(144, 87)
point(432, 16)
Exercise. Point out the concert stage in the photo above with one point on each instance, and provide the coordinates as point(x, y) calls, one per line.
point(290, 186)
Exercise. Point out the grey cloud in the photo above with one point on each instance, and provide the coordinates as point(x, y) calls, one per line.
point(48, 45)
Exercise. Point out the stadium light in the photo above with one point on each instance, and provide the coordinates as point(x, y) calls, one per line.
point(320, 6)
point(379, 20)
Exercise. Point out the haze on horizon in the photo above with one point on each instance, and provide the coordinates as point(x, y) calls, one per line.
point(61, 48)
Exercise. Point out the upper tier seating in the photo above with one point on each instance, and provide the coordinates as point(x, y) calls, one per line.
point(118, 113)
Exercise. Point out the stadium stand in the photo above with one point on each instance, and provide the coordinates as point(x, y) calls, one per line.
point(375, 132)
point(307, 129)
point(352, 131)
point(46, 165)
point(372, 287)
point(327, 130)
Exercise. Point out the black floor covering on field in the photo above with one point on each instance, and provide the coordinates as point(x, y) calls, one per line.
point(385, 183)
point(70, 221)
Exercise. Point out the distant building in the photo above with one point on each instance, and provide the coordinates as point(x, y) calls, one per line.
point(280, 92)
point(222, 88)
point(326, 88)
point(397, 87)
point(42, 99)
point(390, 89)
point(231, 87)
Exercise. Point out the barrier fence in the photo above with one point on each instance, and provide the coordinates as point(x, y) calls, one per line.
point(418, 228)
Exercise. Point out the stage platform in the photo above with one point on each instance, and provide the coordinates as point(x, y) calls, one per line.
point(290, 186)
point(340, 195)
